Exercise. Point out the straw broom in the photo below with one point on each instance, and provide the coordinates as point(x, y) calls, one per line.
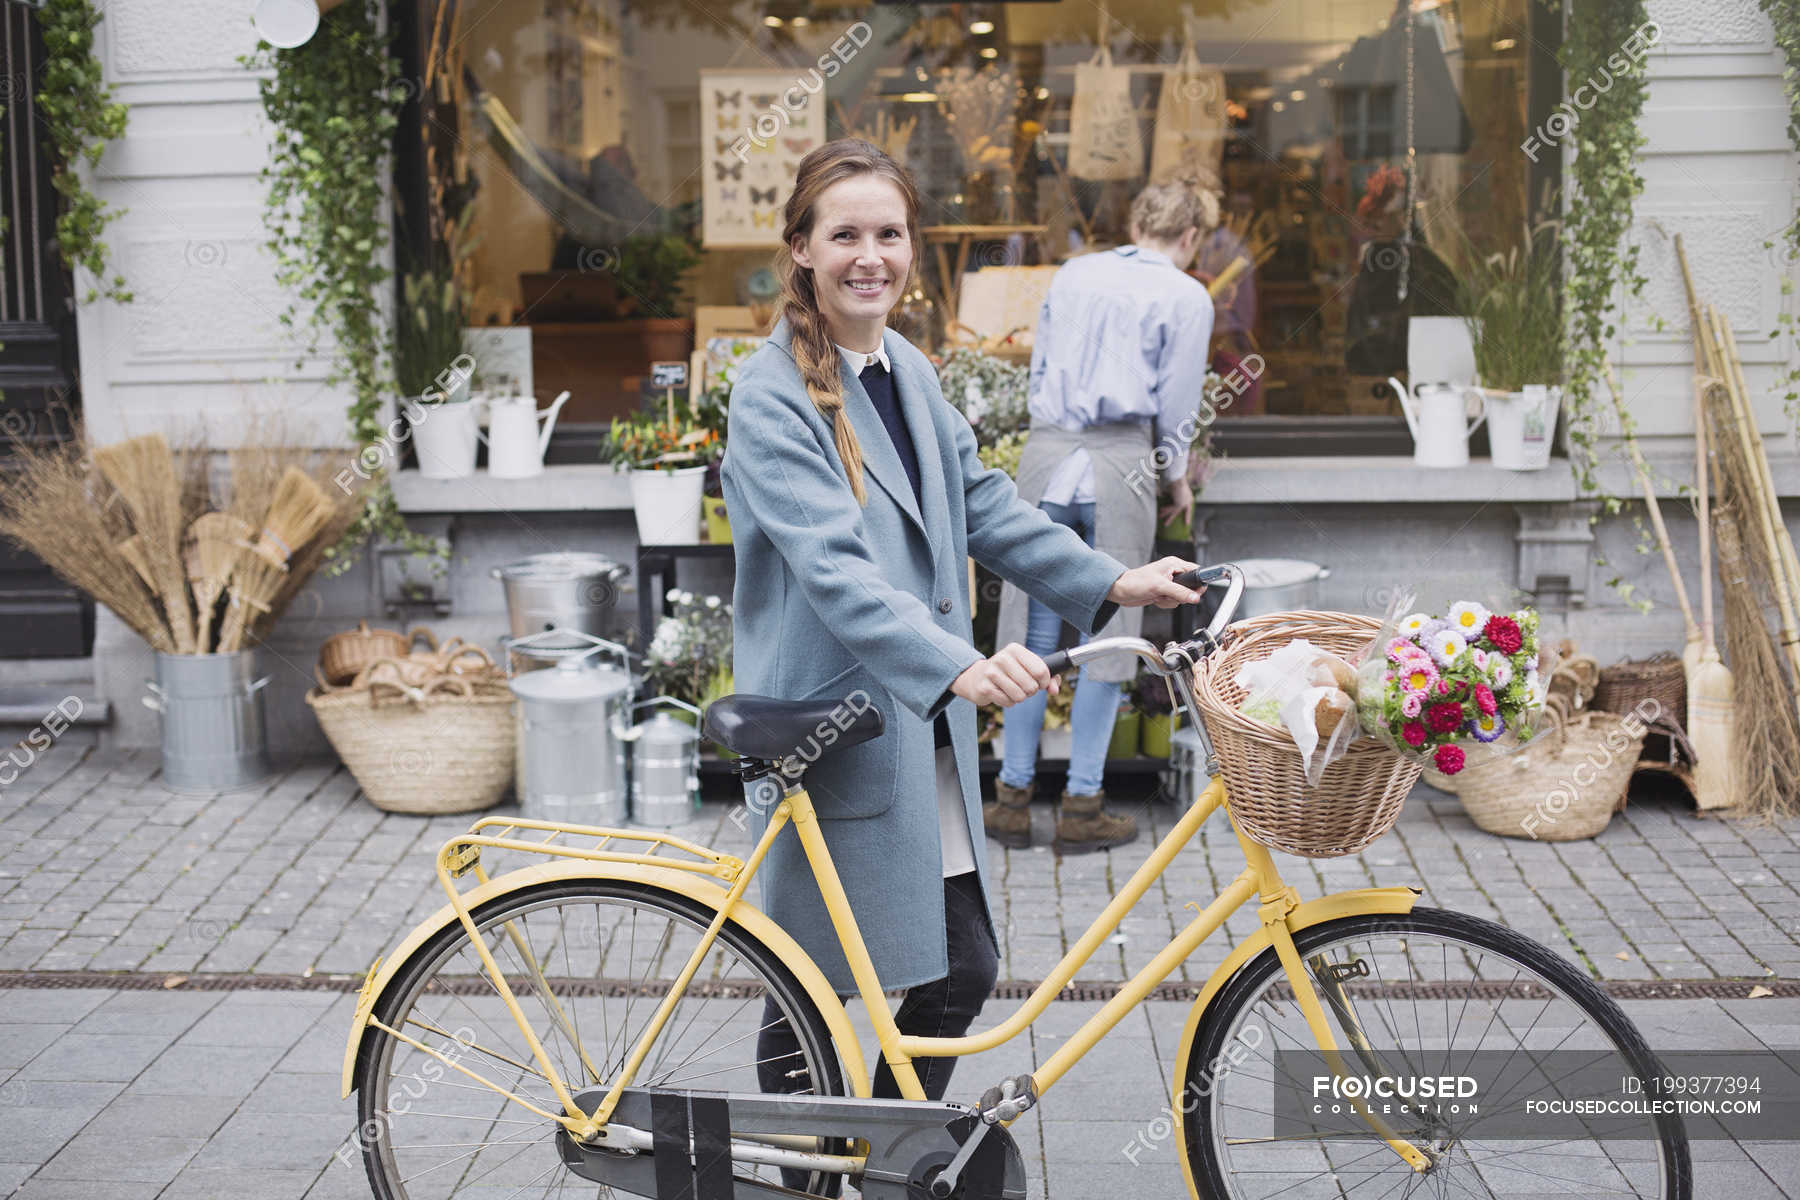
point(1787, 565)
point(1767, 735)
point(1750, 487)
point(299, 510)
point(1709, 684)
point(142, 469)
point(49, 506)
point(216, 538)
point(254, 582)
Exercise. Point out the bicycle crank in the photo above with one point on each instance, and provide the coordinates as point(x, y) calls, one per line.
point(667, 1142)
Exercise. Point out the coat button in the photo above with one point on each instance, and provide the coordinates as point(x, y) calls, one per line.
point(945, 605)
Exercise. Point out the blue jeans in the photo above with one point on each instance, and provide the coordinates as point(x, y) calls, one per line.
point(1096, 704)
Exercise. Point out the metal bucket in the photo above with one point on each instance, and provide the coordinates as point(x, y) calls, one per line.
point(571, 721)
point(214, 737)
point(561, 591)
point(1271, 585)
point(1185, 776)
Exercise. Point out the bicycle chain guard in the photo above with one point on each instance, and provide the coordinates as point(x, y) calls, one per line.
point(911, 1143)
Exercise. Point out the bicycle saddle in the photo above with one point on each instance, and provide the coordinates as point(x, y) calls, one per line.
point(759, 727)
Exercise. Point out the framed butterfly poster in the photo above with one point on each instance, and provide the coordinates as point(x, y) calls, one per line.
point(758, 125)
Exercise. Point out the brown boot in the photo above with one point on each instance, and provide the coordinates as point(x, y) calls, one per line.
point(1083, 825)
point(1008, 816)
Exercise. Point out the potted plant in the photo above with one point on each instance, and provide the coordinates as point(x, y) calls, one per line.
point(1159, 722)
point(647, 275)
point(711, 410)
point(433, 371)
point(667, 458)
point(1127, 731)
point(1512, 304)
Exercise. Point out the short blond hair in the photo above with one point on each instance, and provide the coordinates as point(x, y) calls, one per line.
point(1165, 211)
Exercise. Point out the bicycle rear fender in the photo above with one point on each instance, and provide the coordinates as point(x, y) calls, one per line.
point(1355, 903)
point(746, 916)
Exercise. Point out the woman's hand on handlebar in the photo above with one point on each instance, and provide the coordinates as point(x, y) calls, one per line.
point(1154, 583)
point(1011, 675)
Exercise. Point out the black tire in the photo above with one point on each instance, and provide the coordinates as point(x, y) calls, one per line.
point(374, 1058)
point(1246, 989)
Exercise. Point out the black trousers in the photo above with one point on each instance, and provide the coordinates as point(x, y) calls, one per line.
point(941, 1008)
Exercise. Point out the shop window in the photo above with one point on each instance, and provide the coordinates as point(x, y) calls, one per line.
point(581, 130)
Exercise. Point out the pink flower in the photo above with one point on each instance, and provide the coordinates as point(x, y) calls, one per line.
point(1449, 759)
point(1443, 687)
point(1412, 704)
point(1442, 718)
point(1484, 699)
point(1414, 733)
point(1418, 674)
point(1503, 634)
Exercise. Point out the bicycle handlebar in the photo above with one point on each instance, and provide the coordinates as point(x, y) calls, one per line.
point(1184, 652)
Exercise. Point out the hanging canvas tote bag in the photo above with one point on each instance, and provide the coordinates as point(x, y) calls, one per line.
point(1190, 122)
point(1105, 142)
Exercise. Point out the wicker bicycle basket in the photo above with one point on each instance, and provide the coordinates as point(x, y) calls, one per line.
point(1359, 795)
point(444, 746)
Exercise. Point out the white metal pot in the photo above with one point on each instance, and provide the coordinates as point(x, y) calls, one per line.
point(668, 505)
point(444, 436)
point(1521, 426)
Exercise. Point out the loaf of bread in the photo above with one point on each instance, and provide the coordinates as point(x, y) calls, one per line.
point(1328, 670)
point(1332, 708)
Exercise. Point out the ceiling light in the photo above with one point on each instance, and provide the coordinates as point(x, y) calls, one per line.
point(1296, 95)
point(980, 27)
point(919, 97)
point(1506, 44)
point(773, 22)
point(1043, 93)
point(800, 21)
point(989, 52)
point(1279, 106)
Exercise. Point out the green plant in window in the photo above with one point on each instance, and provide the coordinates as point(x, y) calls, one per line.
point(649, 273)
point(333, 104)
point(1512, 304)
point(79, 112)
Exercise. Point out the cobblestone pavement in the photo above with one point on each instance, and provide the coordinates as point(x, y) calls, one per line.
point(138, 1091)
point(129, 1095)
point(102, 870)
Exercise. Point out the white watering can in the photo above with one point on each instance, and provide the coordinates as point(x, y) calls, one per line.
point(1436, 416)
point(515, 443)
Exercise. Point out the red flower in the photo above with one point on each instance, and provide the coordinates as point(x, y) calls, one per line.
point(1503, 634)
point(1449, 759)
point(1414, 733)
point(1484, 699)
point(1442, 718)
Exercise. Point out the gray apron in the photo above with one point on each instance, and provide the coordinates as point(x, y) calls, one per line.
point(1124, 518)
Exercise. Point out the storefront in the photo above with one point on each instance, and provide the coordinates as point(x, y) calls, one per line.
point(623, 166)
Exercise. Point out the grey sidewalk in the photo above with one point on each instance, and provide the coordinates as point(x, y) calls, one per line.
point(129, 1095)
point(102, 870)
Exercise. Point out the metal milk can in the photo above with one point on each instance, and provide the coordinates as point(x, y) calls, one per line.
point(665, 766)
point(571, 726)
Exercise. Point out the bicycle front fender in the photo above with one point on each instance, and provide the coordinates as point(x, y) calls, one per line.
point(750, 919)
point(1355, 903)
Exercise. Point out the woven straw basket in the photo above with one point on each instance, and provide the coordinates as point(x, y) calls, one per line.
point(1538, 791)
point(445, 746)
point(1359, 795)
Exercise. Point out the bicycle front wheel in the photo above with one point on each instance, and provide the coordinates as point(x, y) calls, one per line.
point(589, 961)
point(1418, 995)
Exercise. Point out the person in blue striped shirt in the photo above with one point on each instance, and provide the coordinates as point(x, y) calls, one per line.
point(1118, 365)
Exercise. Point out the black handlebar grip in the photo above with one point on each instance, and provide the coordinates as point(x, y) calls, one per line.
point(1200, 576)
point(1057, 661)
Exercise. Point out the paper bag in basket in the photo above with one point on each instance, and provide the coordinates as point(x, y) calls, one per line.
point(1104, 139)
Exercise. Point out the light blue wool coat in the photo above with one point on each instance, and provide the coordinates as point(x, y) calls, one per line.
point(833, 598)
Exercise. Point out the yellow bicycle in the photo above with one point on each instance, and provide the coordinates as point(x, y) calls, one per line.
point(593, 1019)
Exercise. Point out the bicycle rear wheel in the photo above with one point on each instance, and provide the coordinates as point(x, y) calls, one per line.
point(589, 961)
point(1427, 990)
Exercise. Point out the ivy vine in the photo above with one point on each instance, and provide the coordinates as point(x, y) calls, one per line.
point(1784, 15)
point(81, 117)
point(334, 104)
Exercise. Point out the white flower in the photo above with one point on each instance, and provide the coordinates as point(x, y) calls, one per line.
point(673, 595)
point(1480, 658)
point(1468, 617)
point(1447, 647)
point(1412, 624)
point(712, 602)
point(1502, 670)
point(684, 598)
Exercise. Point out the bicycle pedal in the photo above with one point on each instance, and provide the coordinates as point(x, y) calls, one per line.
point(1008, 1100)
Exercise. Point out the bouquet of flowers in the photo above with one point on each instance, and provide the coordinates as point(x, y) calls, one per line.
point(1460, 680)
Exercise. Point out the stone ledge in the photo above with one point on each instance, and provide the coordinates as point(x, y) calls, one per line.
point(571, 487)
point(1336, 479)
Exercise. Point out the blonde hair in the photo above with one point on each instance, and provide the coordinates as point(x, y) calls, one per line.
point(814, 351)
point(1165, 211)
